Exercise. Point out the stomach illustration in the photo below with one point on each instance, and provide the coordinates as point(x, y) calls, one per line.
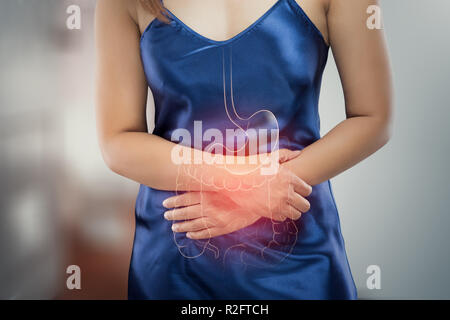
point(266, 242)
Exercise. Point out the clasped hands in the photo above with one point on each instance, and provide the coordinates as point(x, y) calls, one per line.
point(208, 214)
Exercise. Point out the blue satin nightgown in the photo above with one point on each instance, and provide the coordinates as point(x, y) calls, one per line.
point(275, 64)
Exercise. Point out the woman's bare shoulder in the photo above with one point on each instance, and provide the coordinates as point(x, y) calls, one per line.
point(317, 11)
point(141, 15)
point(117, 6)
point(116, 10)
point(135, 10)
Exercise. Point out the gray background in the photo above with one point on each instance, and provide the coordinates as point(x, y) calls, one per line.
point(60, 205)
point(395, 206)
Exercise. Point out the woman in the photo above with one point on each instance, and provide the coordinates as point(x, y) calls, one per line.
point(214, 221)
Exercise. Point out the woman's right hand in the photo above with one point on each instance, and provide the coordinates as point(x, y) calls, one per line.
point(278, 197)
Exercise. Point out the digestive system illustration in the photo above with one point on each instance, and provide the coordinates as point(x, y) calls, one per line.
point(252, 246)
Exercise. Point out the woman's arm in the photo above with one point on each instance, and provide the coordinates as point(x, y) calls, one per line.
point(362, 61)
point(363, 65)
point(126, 146)
point(121, 113)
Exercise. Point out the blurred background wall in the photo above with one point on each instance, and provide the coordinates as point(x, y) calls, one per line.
point(60, 205)
point(395, 206)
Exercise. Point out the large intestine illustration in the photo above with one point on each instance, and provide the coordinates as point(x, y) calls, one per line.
point(268, 241)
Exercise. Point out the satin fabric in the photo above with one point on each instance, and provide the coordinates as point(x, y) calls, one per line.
point(275, 64)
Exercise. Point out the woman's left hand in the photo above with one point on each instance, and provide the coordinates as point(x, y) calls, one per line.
point(204, 215)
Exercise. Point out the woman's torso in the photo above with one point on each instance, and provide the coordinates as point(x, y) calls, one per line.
point(225, 23)
point(263, 76)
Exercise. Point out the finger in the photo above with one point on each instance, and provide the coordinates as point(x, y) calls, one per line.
point(206, 233)
point(298, 202)
point(300, 186)
point(192, 225)
point(286, 155)
point(292, 212)
point(182, 200)
point(278, 217)
point(186, 213)
point(277, 214)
